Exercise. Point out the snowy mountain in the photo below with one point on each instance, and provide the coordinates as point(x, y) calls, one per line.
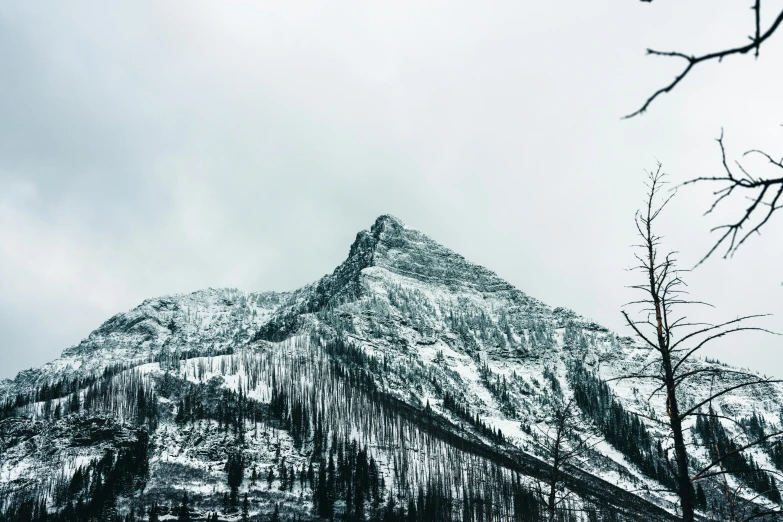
point(407, 383)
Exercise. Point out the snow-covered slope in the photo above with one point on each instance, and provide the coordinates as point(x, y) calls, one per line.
point(409, 367)
point(206, 321)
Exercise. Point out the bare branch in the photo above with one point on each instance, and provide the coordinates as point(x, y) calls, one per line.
point(692, 60)
point(758, 187)
point(727, 390)
point(632, 324)
point(717, 335)
point(635, 376)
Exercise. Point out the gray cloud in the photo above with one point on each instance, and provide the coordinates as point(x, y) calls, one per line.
point(150, 148)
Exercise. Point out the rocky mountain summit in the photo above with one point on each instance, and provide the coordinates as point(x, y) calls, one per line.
point(408, 384)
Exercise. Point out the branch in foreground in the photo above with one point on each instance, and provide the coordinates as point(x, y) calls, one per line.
point(692, 60)
point(759, 189)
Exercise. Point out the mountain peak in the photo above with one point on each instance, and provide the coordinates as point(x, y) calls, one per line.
point(385, 228)
point(387, 223)
point(391, 245)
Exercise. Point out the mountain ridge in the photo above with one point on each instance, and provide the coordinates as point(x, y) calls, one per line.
point(405, 319)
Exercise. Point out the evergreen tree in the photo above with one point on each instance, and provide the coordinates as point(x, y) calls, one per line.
point(322, 497)
point(774, 492)
point(411, 511)
point(359, 501)
point(283, 475)
point(245, 506)
point(311, 475)
point(184, 510)
point(270, 478)
point(389, 512)
point(180, 417)
point(234, 474)
point(374, 475)
point(701, 498)
point(154, 512)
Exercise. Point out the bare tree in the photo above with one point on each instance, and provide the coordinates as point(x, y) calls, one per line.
point(675, 341)
point(561, 446)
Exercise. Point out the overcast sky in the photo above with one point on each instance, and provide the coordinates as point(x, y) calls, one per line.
point(149, 148)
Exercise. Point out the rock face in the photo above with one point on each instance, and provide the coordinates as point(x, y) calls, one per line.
point(409, 380)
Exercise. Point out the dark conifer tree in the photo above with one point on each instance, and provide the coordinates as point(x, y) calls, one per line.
point(153, 513)
point(701, 498)
point(270, 478)
point(245, 507)
point(234, 474)
point(412, 517)
point(183, 512)
point(311, 475)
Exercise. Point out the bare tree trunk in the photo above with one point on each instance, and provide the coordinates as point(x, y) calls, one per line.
point(681, 455)
point(672, 408)
point(552, 493)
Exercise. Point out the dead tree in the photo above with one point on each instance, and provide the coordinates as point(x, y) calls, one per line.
point(759, 36)
point(561, 445)
point(675, 341)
